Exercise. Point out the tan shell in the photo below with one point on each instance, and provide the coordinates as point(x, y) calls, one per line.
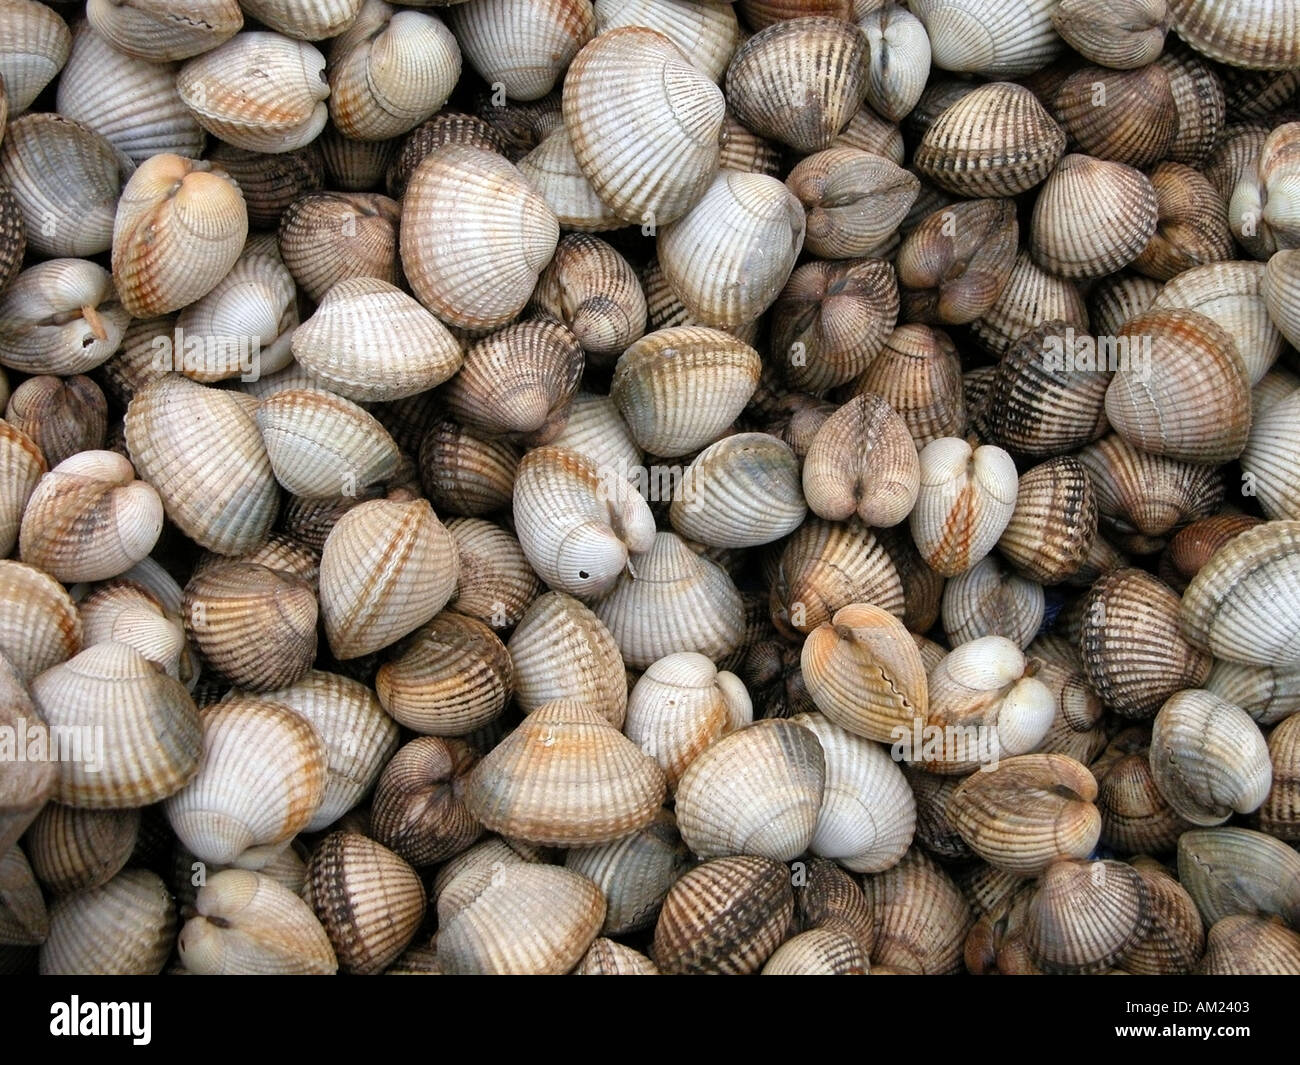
point(818, 952)
point(33, 49)
point(517, 919)
point(1265, 38)
point(1030, 298)
point(634, 872)
point(23, 466)
point(66, 178)
point(996, 38)
point(1181, 364)
point(1087, 916)
point(829, 897)
point(676, 601)
point(419, 810)
point(919, 917)
point(259, 91)
point(163, 29)
point(854, 201)
point(1240, 606)
point(329, 237)
point(387, 567)
point(953, 265)
point(1135, 817)
point(89, 519)
point(1280, 285)
point(1126, 34)
point(24, 920)
point(127, 927)
point(666, 108)
point(725, 916)
point(26, 786)
point(605, 957)
point(1054, 522)
point(464, 475)
point(679, 388)
point(496, 584)
point(446, 127)
point(247, 923)
point(863, 461)
point(1268, 694)
point(967, 496)
point(707, 33)
point(1279, 816)
point(561, 650)
point(270, 183)
point(503, 235)
point(39, 624)
point(681, 706)
point(1193, 227)
point(389, 71)
point(1250, 946)
point(449, 677)
point(201, 449)
point(1195, 545)
point(357, 735)
point(523, 48)
point(1208, 758)
point(1232, 871)
point(1028, 812)
point(260, 781)
point(1127, 116)
point(565, 777)
point(990, 600)
point(831, 320)
point(60, 317)
point(996, 141)
point(75, 850)
point(150, 744)
point(729, 256)
point(799, 81)
point(594, 291)
point(553, 170)
point(309, 22)
point(1268, 461)
point(369, 901)
point(180, 227)
point(918, 373)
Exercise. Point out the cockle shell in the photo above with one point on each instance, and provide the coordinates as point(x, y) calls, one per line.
point(329, 237)
point(127, 927)
point(1125, 34)
point(522, 47)
point(61, 316)
point(707, 33)
point(23, 465)
point(419, 810)
point(966, 498)
point(39, 624)
point(73, 849)
point(996, 38)
point(165, 30)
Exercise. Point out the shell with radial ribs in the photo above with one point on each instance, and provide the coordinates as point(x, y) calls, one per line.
point(966, 498)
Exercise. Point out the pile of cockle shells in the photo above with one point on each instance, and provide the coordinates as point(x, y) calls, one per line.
point(516, 486)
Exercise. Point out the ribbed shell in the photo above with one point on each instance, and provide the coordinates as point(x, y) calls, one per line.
point(1128, 116)
point(200, 448)
point(1269, 460)
point(248, 924)
point(679, 388)
point(854, 201)
point(517, 919)
point(316, 21)
point(966, 499)
point(1250, 946)
point(34, 46)
point(1208, 758)
point(1176, 940)
point(329, 237)
point(369, 341)
point(707, 33)
point(799, 81)
point(1086, 916)
point(132, 102)
point(831, 320)
point(919, 917)
point(497, 585)
point(465, 475)
point(144, 739)
point(650, 149)
point(418, 809)
point(449, 678)
point(23, 465)
point(180, 227)
point(1267, 37)
point(66, 178)
point(1239, 871)
point(868, 814)
point(446, 127)
point(1028, 812)
point(388, 566)
point(561, 650)
point(1185, 391)
point(955, 262)
point(995, 141)
point(606, 957)
point(127, 927)
point(731, 254)
point(634, 873)
point(1030, 298)
point(523, 47)
point(24, 920)
point(676, 601)
point(1092, 217)
point(1281, 290)
point(89, 519)
point(919, 374)
point(594, 291)
point(1279, 816)
point(1193, 227)
point(259, 91)
point(39, 623)
point(996, 38)
point(565, 777)
point(1054, 522)
point(359, 738)
point(74, 849)
point(1116, 33)
point(475, 236)
point(370, 902)
point(742, 491)
point(553, 170)
point(819, 952)
point(1242, 606)
point(165, 29)
point(60, 317)
point(1269, 695)
point(260, 780)
point(389, 71)
point(726, 917)
point(989, 600)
